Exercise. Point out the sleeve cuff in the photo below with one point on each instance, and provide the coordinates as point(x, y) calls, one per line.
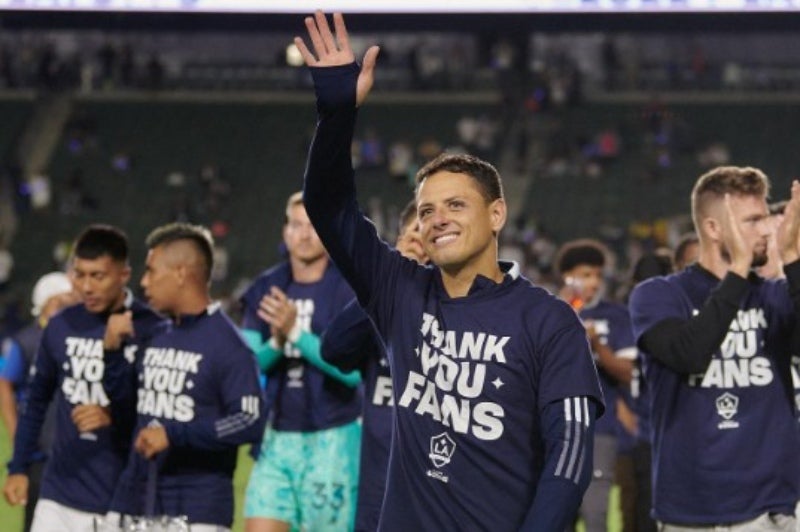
point(15, 468)
point(176, 434)
point(792, 271)
point(732, 288)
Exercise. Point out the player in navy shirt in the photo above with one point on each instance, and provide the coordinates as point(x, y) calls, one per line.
point(495, 390)
point(608, 325)
point(717, 341)
point(88, 452)
point(51, 293)
point(194, 386)
point(351, 342)
point(307, 473)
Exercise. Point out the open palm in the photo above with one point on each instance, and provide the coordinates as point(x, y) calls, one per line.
point(789, 231)
point(330, 50)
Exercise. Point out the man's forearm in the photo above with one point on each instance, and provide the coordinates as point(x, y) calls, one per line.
point(568, 429)
point(687, 346)
point(8, 407)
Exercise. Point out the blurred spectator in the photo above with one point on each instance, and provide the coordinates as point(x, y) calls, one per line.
point(40, 191)
point(401, 160)
point(107, 57)
point(611, 63)
point(713, 155)
point(75, 199)
point(686, 251)
point(155, 73)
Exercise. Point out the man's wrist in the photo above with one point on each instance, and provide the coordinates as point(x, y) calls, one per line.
point(294, 334)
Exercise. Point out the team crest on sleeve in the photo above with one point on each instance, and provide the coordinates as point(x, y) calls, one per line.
point(727, 408)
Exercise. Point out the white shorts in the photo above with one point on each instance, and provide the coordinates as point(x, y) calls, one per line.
point(763, 523)
point(113, 522)
point(50, 516)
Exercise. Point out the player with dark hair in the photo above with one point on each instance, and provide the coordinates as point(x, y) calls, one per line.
point(88, 452)
point(717, 342)
point(307, 473)
point(495, 390)
point(580, 264)
point(352, 343)
point(194, 387)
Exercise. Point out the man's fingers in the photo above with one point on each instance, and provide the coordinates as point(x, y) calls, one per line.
point(82, 412)
point(342, 38)
point(366, 78)
point(277, 293)
point(316, 39)
point(325, 32)
point(795, 189)
point(370, 58)
point(308, 57)
point(269, 318)
point(141, 443)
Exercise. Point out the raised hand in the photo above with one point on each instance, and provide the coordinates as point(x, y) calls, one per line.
point(741, 254)
point(789, 231)
point(330, 50)
point(409, 244)
point(279, 312)
point(118, 329)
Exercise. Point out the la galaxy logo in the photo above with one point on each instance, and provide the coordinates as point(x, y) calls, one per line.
point(727, 407)
point(442, 449)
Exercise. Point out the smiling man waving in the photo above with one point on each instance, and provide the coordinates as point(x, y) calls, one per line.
point(494, 386)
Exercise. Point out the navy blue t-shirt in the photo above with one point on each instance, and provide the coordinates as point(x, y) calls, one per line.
point(83, 467)
point(199, 380)
point(613, 325)
point(351, 342)
point(725, 445)
point(18, 355)
point(301, 397)
point(471, 376)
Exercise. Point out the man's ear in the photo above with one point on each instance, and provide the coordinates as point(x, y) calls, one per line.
point(711, 227)
point(498, 213)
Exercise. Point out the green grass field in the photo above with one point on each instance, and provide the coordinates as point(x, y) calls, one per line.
point(11, 518)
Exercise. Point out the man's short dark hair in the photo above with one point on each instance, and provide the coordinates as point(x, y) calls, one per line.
point(486, 175)
point(583, 252)
point(653, 264)
point(197, 235)
point(100, 240)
